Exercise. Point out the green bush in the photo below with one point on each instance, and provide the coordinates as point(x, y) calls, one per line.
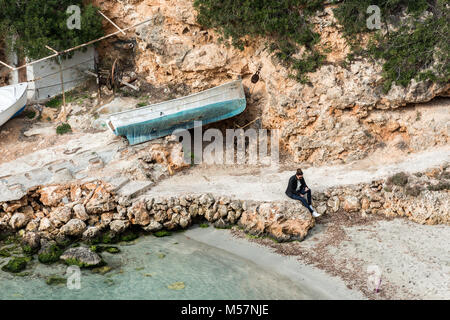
point(399, 179)
point(64, 128)
point(413, 191)
point(408, 52)
point(440, 186)
point(285, 23)
point(445, 175)
point(29, 114)
point(29, 25)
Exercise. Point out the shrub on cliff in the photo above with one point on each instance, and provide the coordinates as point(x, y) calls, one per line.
point(441, 186)
point(398, 179)
point(64, 128)
point(413, 191)
point(30, 25)
point(418, 48)
point(284, 22)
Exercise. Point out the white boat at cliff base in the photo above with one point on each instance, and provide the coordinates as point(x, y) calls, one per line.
point(12, 101)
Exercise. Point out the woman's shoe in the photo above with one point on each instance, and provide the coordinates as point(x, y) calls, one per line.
point(315, 214)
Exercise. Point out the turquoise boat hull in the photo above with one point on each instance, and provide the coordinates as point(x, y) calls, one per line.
point(157, 128)
point(180, 113)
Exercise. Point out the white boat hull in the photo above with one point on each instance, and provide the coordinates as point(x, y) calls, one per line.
point(12, 101)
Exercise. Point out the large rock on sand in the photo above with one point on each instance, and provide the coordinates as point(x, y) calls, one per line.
point(82, 257)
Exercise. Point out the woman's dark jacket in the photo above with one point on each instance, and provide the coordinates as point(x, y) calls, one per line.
point(292, 186)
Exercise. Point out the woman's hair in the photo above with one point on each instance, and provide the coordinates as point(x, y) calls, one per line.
point(299, 172)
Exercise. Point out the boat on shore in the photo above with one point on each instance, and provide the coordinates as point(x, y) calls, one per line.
point(161, 119)
point(12, 101)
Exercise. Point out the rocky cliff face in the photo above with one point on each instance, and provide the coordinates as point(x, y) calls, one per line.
point(342, 115)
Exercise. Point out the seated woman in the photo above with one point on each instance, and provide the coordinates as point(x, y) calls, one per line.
point(296, 190)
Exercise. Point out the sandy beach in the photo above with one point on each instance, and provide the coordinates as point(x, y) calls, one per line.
point(333, 261)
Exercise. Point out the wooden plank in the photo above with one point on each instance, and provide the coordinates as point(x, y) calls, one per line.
point(90, 73)
point(51, 49)
point(129, 85)
point(6, 65)
point(115, 25)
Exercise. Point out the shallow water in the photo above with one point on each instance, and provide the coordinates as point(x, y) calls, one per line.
point(145, 269)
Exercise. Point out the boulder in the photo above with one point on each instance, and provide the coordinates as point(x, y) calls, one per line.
point(91, 233)
point(18, 220)
point(82, 257)
point(119, 226)
point(74, 228)
point(206, 200)
point(33, 225)
point(221, 224)
point(351, 204)
point(53, 196)
point(45, 224)
point(283, 221)
point(106, 218)
point(101, 201)
point(321, 209)
point(334, 203)
point(206, 57)
point(32, 239)
point(153, 226)
point(62, 214)
point(14, 205)
point(184, 222)
point(80, 212)
point(137, 214)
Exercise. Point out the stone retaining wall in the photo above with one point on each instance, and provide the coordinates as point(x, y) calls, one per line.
point(85, 211)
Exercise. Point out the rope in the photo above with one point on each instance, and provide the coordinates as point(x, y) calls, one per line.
point(58, 84)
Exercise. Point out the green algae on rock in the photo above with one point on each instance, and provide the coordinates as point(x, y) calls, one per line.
point(55, 280)
point(102, 270)
point(162, 233)
point(129, 236)
point(112, 250)
point(82, 257)
point(28, 250)
point(16, 265)
point(5, 253)
point(50, 255)
point(109, 249)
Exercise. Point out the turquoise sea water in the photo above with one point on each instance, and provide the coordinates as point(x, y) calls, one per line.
point(145, 269)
